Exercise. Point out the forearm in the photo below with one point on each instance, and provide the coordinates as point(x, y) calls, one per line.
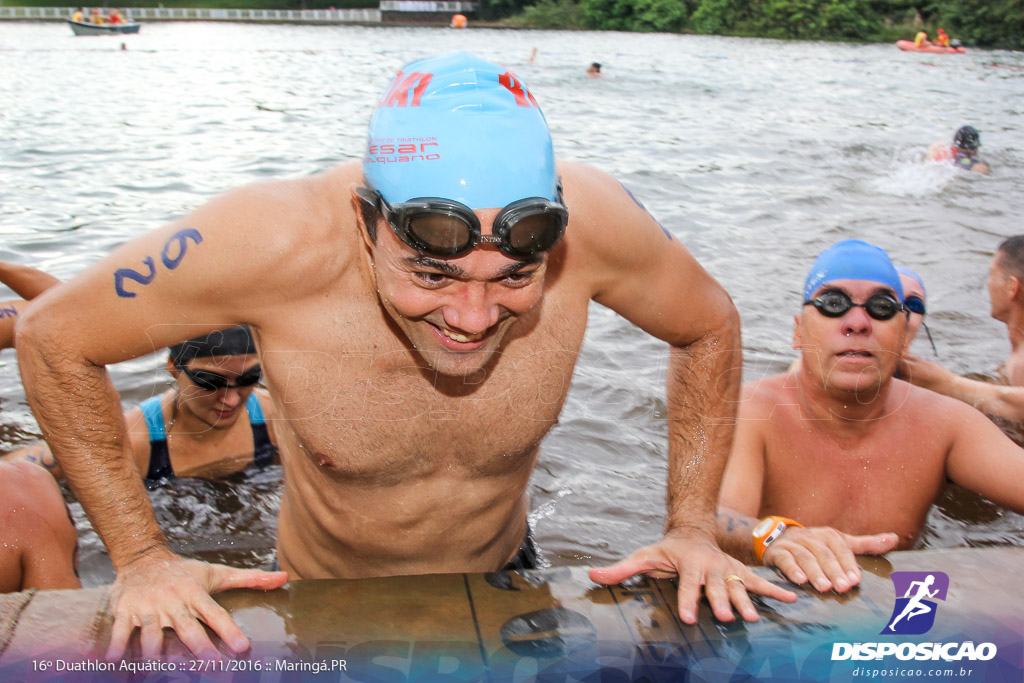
point(992, 399)
point(735, 534)
point(79, 413)
point(703, 393)
point(26, 282)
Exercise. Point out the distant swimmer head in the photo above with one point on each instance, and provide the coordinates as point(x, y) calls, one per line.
point(461, 128)
point(233, 341)
point(967, 137)
point(853, 260)
point(903, 270)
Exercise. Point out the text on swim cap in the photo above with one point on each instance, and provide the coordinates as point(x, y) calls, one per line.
point(398, 94)
point(516, 87)
point(407, 90)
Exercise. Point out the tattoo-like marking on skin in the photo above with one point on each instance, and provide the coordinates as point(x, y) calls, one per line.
point(640, 204)
point(121, 273)
point(10, 312)
point(42, 460)
point(732, 523)
point(179, 238)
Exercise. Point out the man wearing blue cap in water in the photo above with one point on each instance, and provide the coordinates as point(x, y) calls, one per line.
point(837, 457)
point(418, 317)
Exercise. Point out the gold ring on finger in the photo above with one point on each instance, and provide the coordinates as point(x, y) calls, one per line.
point(734, 577)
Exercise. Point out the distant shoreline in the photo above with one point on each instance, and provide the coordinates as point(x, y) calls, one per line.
point(367, 16)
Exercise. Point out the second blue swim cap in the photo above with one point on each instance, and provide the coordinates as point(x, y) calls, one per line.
point(459, 127)
point(853, 260)
point(903, 270)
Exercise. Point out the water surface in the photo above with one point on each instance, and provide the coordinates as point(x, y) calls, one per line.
point(757, 154)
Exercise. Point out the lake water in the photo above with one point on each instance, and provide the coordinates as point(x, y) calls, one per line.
point(757, 154)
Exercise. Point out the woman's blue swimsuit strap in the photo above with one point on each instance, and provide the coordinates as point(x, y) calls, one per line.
point(160, 459)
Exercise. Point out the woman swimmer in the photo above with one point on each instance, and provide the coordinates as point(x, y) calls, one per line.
point(195, 428)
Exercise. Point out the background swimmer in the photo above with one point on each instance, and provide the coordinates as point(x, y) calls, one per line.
point(851, 454)
point(1006, 294)
point(196, 428)
point(27, 283)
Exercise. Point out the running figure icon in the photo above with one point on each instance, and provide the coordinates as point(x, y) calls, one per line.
point(915, 606)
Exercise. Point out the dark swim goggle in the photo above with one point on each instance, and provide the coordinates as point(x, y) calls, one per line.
point(214, 381)
point(915, 304)
point(448, 229)
point(835, 303)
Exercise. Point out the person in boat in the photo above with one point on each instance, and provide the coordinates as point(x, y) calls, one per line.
point(79, 15)
point(26, 282)
point(115, 17)
point(96, 17)
point(418, 317)
point(833, 460)
point(941, 38)
point(964, 151)
point(197, 428)
point(1005, 398)
point(921, 39)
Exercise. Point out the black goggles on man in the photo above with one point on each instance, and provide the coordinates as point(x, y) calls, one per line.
point(834, 303)
point(448, 229)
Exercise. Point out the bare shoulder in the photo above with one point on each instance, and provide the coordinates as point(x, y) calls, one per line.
point(937, 410)
point(25, 481)
point(262, 246)
point(760, 398)
point(594, 197)
point(286, 221)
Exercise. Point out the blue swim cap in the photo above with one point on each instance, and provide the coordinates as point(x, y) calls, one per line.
point(853, 260)
point(903, 270)
point(459, 127)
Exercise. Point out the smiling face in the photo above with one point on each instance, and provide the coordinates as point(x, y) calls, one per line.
point(219, 409)
point(455, 312)
point(853, 352)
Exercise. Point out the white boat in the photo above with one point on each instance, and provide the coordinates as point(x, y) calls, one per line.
point(85, 28)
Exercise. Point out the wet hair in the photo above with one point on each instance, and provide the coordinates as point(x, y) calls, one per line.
point(1011, 256)
point(233, 341)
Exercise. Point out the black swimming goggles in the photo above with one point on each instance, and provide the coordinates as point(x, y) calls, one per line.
point(214, 381)
point(834, 303)
point(915, 304)
point(448, 229)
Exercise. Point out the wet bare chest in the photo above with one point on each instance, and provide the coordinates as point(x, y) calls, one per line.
point(381, 413)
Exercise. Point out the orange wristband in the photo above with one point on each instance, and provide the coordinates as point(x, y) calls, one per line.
point(768, 531)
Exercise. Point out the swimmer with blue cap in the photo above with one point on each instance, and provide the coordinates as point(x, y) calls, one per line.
point(417, 315)
point(856, 292)
point(838, 458)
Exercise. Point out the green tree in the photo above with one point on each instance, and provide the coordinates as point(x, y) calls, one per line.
point(989, 23)
point(635, 15)
point(552, 14)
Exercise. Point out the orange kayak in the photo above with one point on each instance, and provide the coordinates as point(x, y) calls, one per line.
point(909, 46)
